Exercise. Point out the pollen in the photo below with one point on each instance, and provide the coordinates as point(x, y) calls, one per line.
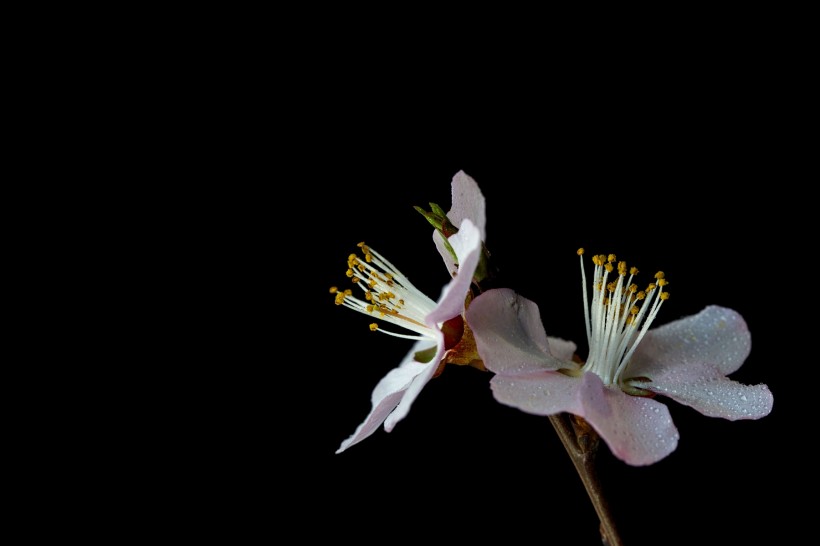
point(374, 327)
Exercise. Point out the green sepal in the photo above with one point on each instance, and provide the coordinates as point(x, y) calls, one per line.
point(425, 355)
point(630, 388)
point(438, 219)
point(438, 210)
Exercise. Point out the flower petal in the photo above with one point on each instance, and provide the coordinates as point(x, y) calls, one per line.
point(541, 393)
point(704, 388)
point(467, 245)
point(467, 202)
point(413, 390)
point(717, 335)
point(509, 335)
point(449, 261)
point(561, 348)
point(639, 431)
point(390, 392)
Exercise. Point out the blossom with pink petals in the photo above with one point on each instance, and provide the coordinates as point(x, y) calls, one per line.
point(629, 364)
point(389, 296)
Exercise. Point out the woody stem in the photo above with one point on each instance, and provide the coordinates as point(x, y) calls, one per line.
point(581, 443)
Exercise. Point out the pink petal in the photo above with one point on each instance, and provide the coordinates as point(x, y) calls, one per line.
point(413, 390)
point(541, 393)
point(639, 431)
point(467, 202)
point(561, 348)
point(467, 245)
point(449, 261)
point(704, 388)
point(717, 336)
point(389, 393)
point(509, 335)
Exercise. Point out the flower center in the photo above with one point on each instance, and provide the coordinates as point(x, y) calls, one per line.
point(387, 294)
point(617, 315)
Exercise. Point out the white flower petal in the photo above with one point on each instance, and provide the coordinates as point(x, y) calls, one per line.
point(449, 261)
point(561, 348)
point(542, 393)
point(416, 384)
point(389, 393)
point(704, 388)
point(639, 431)
point(467, 202)
point(509, 335)
point(467, 245)
point(717, 336)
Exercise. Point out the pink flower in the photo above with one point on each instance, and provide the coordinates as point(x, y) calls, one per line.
point(628, 364)
point(389, 296)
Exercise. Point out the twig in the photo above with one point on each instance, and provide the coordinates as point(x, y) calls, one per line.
point(581, 443)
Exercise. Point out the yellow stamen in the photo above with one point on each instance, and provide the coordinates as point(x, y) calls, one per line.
point(611, 286)
point(615, 320)
point(386, 292)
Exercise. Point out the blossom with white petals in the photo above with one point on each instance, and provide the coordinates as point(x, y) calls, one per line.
point(628, 364)
point(435, 325)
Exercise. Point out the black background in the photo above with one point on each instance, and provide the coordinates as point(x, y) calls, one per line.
point(246, 164)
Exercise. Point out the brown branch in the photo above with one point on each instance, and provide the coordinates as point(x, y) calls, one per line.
point(581, 443)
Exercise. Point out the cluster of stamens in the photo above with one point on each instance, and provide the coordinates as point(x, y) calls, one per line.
point(387, 294)
point(618, 315)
